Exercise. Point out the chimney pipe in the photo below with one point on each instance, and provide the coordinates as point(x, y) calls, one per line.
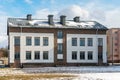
point(62, 19)
point(50, 19)
point(76, 19)
point(29, 16)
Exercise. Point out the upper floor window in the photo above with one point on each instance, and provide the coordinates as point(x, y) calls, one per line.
point(37, 41)
point(90, 55)
point(45, 41)
point(17, 41)
point(37, 55)
point(60, 45)
point(74, 41)
point(60, 34)
point(28, 41)
point(82, 54)
point(28, 55)
point(100, 41)
point(74, 55)
point(17, 55)
point(82, 41)
point(90, 42)
point(45, 54)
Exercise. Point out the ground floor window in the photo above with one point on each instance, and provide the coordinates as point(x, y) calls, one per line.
point(45, 55)
point(17, 55)
point(82, 55)
point(28, 55)
point(90, 55)
point(74, 55)
point(37, 54)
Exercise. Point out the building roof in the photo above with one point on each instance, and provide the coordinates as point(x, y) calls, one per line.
point(43, 23)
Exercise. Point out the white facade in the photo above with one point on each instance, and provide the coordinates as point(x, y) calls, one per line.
point(32, 48)
point(85, 48)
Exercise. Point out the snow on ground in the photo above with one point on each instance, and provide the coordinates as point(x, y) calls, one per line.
point(83, 73)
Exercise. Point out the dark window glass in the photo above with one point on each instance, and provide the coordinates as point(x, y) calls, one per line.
point(45, 41)
point(100, 41)
point(37, 54)
point(17, 41)
point(37, 41)
point(74, 41)
point(74, 55)
point(90, 42)
point(90, 55)
point(28, 41)
point(45, 54)
point(82, 41)
point(82, 55)
point(28, 55)
point(60, 34)
point(17, 56)
point(60, 48)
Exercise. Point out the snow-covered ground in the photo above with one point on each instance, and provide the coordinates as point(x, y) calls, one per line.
point(83, 73)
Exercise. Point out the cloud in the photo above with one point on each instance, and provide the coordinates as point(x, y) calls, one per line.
point(3, 29)
point(113, 18)
point(43, 13)
point(29, 1)
point(73, 11)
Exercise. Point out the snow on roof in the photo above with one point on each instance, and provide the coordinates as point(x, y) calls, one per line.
point(16, 22)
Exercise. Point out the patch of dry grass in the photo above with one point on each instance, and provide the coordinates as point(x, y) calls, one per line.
point(34, 76)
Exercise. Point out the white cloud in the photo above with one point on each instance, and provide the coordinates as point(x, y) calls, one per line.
point(43, 13)
point(113, 18)
point(3, 29)
point(73, 11)
point(29, 1)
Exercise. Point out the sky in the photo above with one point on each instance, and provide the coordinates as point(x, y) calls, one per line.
point(107, 12)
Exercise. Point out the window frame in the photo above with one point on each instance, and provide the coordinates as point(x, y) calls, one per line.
point(83, 44)
point(38, 41)
point(60, 34)
point(45, 57)
point(90, 57)
point(44, 41)
point(28, 57)
point(74, 55)
point(27, 41)
point(17, 41)
point(74, 41)
point(37, 55)
point(90, 41)
point(82, 55)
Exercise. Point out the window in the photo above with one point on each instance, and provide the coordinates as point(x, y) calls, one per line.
point(60, 48)
point(100, 41)
point(82, 41)
point(17, 55)
point(82, 54)
point(45, 41)
point(90, 42)
point(90, 55)
point(37, 41)
point(28, 41)
point(45, 54)
point(17, 41)
point(74, 55)
point(28, 55)
point(74, 41)
point(60, 34)
point(37, 55)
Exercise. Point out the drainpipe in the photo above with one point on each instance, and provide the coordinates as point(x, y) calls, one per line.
point(97, 42)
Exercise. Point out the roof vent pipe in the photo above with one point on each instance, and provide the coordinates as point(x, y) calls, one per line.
point(29, 16)
point(62, 19)
point(77, 19)
point(50, 19)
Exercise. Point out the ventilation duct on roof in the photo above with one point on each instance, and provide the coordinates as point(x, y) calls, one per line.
point(62, 19)
point(50, 19)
